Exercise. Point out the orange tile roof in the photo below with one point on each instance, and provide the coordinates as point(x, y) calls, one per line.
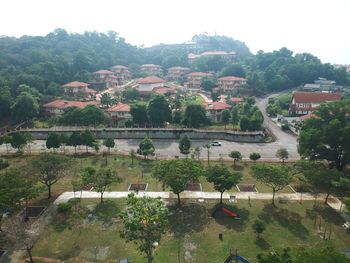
point(75, 84)
point(63, 104)
point(151, 80)
point(199, 74)
point(216, 105)
point(119, 67)
point(104, 72)
point(315, 97)
point(236, 99)
point(120, 107)
point(163, 90)
point(231, 78)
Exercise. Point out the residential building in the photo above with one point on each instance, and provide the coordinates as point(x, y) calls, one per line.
point(122, 74)
point(194, 79)
point(151, 69)
point(164, 90)
point(322, 84)
point(178, 74)
point(229, 83)
point(59, 107)
point(229, 56)
point(214, 110)
point(303, 103)
point(78, 88)
point(119, 114)
point(146, 85)
point(104, 79)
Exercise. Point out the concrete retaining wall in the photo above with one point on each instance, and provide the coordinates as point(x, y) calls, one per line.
point(154, 133)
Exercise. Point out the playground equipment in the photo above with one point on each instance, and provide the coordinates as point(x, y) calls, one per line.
point(226, 211)
point(236, 257)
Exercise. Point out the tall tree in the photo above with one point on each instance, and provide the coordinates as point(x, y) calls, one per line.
point(107, 100)
point(145, 220)
point(75, 140)
point(235, 116)
point(194, 116)
point(254, 156)
point(185, 145)
point(87, 139)
point(53, 141)
point(282, 154)
point(208, 83)
point(176, 174)
point(258, 227)
point(19, 141)
point(222, 178)
point(146, 147)
point(49, 168)
point(225, 117)
point(276, 177)
point(138, 112)
point(109, 143)
point(236, 156)
point(100, 179)
point(25, 108)
point(159, 111)
point(327, 136)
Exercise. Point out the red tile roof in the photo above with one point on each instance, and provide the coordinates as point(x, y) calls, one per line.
point(63, 104)
point(199, 74)
point(104, 72)
point(151, 80)
point(120, 107)
point(150, 66)
point(308, 116)
point(163, 90)
point(216, 105)
point(235, 99)
point(90, 91)
point(315, 97)
point(119, 67)
point(76, 84)
point(231, 78)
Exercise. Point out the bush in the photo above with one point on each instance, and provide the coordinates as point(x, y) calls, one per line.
point(3, 164)
point(64, 208)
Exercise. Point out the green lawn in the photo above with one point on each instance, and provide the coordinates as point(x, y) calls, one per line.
point(192, 232)
point(139, 172)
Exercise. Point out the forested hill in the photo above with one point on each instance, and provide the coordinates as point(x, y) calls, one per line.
point(44, 63)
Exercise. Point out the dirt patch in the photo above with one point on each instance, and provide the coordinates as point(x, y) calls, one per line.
point(246, 187)
point(190, 249)
point(332, 200)
point(138, 187)
point(300, 188)
point(193, 187)
point(33, 211)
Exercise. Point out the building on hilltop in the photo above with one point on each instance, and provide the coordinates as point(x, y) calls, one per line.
point(303, 103)
point(122, 74)
point(229, 83)
point(322, 84)
point(228, 56)
point(59, 107)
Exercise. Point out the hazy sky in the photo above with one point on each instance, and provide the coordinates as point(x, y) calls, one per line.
point(320, 27)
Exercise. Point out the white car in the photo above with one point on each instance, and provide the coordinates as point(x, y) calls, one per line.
point(215, 143)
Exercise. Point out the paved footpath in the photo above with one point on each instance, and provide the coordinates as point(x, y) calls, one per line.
point(200, 195)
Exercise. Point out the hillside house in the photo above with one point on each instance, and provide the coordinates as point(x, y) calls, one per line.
point(119, 114)
point(303, 103)
point(59, 107)
point(178, 74)
point(104, 79)
point(151, 69)
point(122, 74)
point(230, 83)
point(78, 88)
point(228, 56)
point(194, 79)
point(214, 110)
point(146, 85)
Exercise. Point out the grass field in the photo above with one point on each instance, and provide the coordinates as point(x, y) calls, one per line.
point(93, 232)
point(139, 172)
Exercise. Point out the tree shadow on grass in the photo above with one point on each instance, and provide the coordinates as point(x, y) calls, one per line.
point(187, 218)
point(328, 214)
point(286, 218)
point(262, 243)
point(228, 221)
point(106, 211)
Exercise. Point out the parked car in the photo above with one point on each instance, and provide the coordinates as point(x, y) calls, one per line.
point(215, 143)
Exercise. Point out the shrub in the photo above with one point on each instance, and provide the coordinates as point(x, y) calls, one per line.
point(3, 164)
point(64, 208)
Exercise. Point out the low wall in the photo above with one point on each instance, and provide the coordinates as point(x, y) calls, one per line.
point(154, 133)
